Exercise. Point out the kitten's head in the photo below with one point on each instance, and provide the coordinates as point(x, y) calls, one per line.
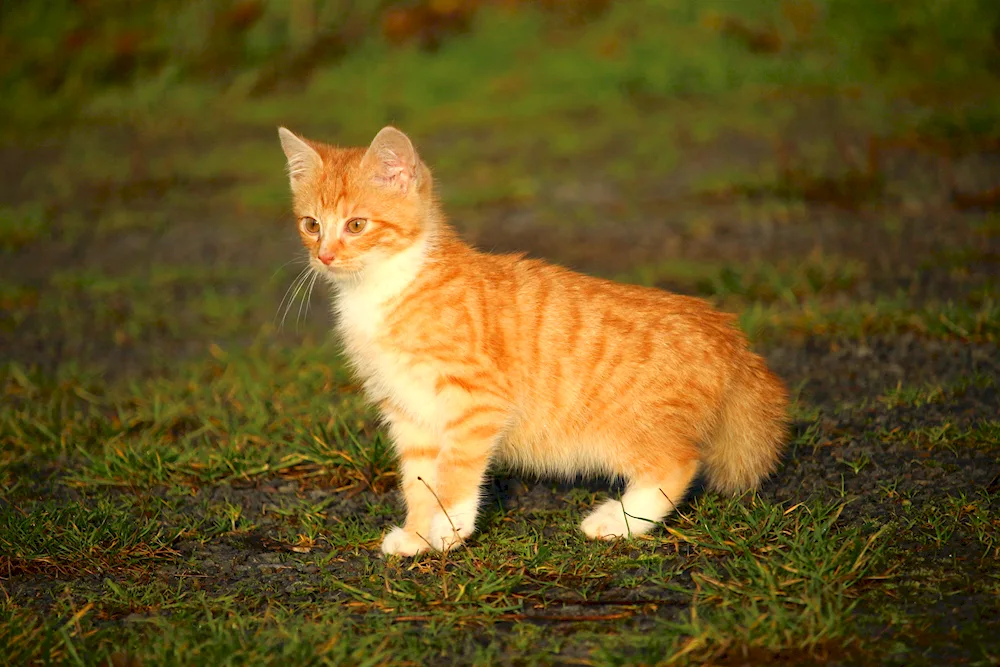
point(356, 207)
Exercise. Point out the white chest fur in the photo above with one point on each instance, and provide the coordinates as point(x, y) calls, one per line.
point(386, 371)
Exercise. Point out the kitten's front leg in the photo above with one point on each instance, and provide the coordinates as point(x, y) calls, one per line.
point(469, 441)
point(418, 452)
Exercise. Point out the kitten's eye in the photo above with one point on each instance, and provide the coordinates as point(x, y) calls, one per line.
point(310, 226)
point(356, 225)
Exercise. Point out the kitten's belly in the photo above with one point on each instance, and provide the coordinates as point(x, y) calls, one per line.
point(535, 448)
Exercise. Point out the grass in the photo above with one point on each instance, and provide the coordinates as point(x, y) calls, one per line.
point(69, 540)
point(220, 421)
point(510, 578)
point(946, 320)
point(188, 474)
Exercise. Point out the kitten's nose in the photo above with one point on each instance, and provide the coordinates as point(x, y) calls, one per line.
point(326, 257)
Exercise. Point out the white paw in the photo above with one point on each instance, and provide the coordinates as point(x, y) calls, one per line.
point(607, 522)
point(402, 543)
point(448, 530)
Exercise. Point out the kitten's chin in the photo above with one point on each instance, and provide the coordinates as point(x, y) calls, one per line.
point(340, 274)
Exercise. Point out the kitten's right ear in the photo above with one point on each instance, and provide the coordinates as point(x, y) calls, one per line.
point(302, 158)
point(392, 159)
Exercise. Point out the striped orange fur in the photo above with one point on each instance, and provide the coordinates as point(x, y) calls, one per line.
point(475, 357)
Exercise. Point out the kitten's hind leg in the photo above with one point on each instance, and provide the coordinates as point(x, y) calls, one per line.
point(646, 501)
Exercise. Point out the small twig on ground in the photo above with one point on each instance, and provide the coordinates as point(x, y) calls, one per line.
point(444, 552)
point(675, 506)
point(446, 515)
point(628, 528)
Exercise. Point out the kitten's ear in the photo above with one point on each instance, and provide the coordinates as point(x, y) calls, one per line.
point(392, 159)
point(302, 158)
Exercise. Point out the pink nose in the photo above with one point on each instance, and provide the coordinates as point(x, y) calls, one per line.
point(326, 257)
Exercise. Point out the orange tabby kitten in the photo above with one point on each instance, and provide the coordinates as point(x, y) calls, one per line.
point(475, 358)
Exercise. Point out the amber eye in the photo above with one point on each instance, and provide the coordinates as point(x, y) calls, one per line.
point(356, 225)
point(310, 226)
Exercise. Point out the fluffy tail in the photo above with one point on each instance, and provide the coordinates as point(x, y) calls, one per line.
point(751, 431)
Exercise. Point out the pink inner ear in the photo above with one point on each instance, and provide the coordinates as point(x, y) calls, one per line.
point(395, 171)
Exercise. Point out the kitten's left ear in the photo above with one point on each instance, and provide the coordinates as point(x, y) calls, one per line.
point(302, 158)
point(393, 160)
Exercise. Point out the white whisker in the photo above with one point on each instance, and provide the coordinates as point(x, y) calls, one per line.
point(302, 260)
point(309, 295)
point(307, 292)
point(287, 291)
point(295, 288)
